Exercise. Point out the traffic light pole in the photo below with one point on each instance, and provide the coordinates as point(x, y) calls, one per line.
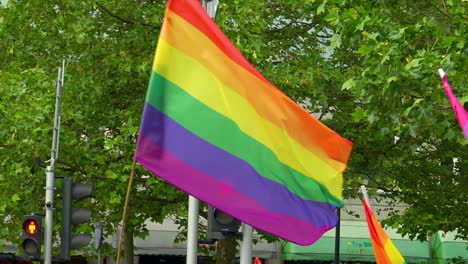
point(50, 171)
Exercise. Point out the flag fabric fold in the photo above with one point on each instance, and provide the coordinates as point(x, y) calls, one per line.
point(384, 250)
point(460, 112)
point(215, 128)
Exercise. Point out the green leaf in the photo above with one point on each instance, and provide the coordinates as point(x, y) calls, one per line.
point(449, 135)
point(111, 175)
point(412, 130)
point(464, 99)
point(409, 109)
point(321, 8)
point(115, 200)
point(392, 79)
point(412, 64)
point(363, 22)
point(365, 49)
point(15, 197)
point(333, 16)
point(348, 84)
point(335, 41)
point(359, 114)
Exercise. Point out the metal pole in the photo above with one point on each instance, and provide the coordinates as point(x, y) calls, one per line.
point(50, 170)
point(100, 256)
point(246, 246)
point(429, 240)
point(211, 7)
point(337, 237)
point(192, 230)
point(49, 214)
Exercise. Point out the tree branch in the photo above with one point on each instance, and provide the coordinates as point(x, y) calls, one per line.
point(124, 19)
point(385, 189)
point(440, 10)
point(323, 114)
point(71, 167)
point(428, 15)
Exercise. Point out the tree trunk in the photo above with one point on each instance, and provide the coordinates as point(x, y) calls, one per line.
point(226, 251)
point(128, 245)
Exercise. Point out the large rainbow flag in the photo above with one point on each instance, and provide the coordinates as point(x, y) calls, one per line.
point(215, 128)
point(384, 250)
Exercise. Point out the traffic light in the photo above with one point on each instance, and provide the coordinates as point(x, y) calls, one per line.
point(32, 236)
point(221, 225)
point(74, 216)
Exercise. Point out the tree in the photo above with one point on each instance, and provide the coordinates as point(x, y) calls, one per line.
point(100, 113)
point(367, 69)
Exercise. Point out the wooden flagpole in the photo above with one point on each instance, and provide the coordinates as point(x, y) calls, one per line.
point(124, 216)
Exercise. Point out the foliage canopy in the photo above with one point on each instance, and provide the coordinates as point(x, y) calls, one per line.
point(367, 69)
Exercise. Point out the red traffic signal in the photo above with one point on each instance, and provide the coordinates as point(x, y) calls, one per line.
point(30, 227)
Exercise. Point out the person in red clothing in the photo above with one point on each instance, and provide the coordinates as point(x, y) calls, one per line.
point(12, 259)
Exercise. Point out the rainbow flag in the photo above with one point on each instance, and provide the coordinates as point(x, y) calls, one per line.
point(215, 128)
point(460, 112)
point(384, 250)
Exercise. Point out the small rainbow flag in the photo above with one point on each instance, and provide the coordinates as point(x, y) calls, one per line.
point(215, 128)
point(460, 112)
point(384, 250)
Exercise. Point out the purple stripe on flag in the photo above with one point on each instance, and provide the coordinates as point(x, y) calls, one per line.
point(230, 170)
point(206, 188)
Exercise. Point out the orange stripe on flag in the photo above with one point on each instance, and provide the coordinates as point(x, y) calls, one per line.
point(384, 250)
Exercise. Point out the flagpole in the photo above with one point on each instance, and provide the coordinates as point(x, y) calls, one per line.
point(366, 196)
point(337, 236)
point(246, 246)
point(124, 216)
point(211, 7)
point(460, 112)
